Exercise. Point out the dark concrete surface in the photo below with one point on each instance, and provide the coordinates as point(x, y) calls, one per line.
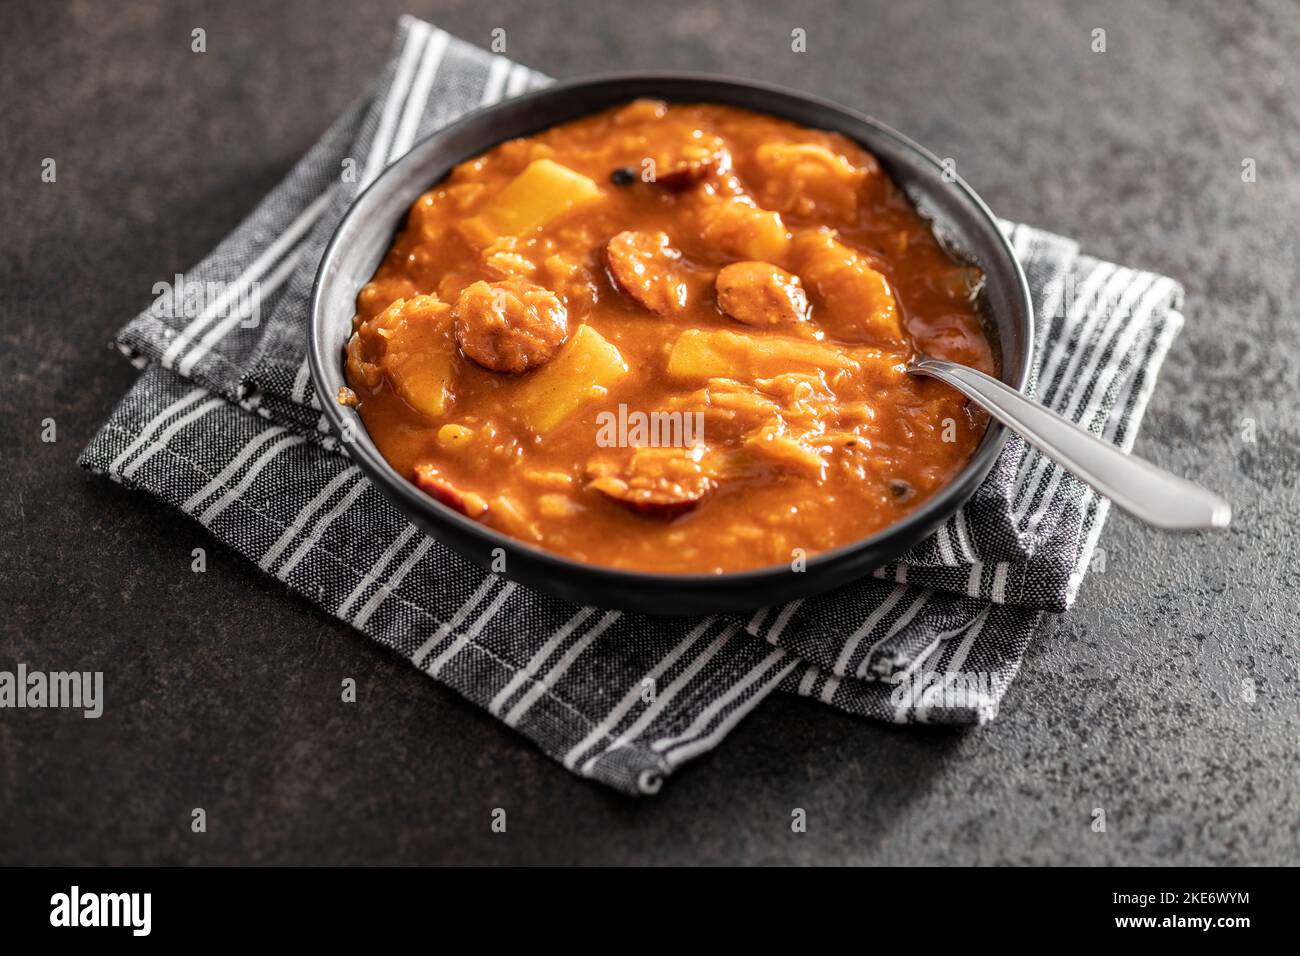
point(222, 691)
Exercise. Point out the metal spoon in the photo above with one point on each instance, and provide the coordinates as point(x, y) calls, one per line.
point(1139, 487)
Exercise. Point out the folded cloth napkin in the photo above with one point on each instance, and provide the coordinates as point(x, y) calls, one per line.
point(224, 424)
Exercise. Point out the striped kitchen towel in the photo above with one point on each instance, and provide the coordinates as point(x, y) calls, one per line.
point(224, 424)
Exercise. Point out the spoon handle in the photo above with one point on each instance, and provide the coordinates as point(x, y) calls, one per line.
point(1139, 487)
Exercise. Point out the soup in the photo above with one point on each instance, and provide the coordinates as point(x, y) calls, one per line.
point(669, 338)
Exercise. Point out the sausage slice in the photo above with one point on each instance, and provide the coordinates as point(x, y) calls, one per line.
point(689, 163)
point(645, 268)
point(656, 482)
point(760, 294)
point(436, 486)
point(509, 326)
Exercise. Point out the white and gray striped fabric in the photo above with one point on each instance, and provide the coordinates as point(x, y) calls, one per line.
point(224, 424)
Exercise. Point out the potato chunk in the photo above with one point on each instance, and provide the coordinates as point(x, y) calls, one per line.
point(701, 354)
point(760, 294)
point(739, 228)
point(809, 180)
point(543, 192)
point(509, 326)
point(851, 300)
point(418, 354)
point(644, 267)
point(584, 370)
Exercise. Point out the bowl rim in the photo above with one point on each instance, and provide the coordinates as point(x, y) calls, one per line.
point(946, 501)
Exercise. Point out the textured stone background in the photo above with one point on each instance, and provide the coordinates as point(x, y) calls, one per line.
point(223, 691)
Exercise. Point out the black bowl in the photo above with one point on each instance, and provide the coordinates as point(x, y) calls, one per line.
point(960, 218)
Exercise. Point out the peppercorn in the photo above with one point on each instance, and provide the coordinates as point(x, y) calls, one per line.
point(900, 488)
